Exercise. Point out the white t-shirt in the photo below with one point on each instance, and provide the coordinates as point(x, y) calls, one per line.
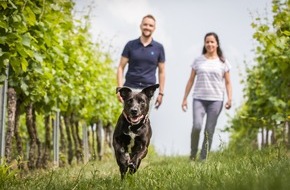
point(209, 80)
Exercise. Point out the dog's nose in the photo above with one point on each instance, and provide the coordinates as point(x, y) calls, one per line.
point(133, 111)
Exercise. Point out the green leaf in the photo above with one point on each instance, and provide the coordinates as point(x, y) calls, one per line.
point(15, 64)
point(3, 39)
point(38, 57)
point(26, 40)
point(24, 87)
point(2, 78)
point(29, 16)
point(24, 64)
point(3, 24)
point(287, 33)
point(3, 4)
point(21, 51)
point(16, 18)
point(13, 38)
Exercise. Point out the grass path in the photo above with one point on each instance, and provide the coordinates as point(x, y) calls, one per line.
point(265, 170)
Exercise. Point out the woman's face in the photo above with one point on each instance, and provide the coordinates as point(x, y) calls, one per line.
point(210, 44)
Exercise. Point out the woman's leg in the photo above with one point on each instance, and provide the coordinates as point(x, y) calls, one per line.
point(198, 114)
point(213, 109)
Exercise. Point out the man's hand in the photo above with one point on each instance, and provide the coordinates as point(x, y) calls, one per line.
point(158, 100)
point(120, 97)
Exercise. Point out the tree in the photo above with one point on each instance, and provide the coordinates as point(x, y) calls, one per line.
point(54, 66)
point(267, 85)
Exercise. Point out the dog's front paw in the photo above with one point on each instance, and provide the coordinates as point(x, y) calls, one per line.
point(131, 165)
point(132, 168)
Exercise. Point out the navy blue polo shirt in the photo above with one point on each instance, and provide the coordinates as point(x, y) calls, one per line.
point(143, 62)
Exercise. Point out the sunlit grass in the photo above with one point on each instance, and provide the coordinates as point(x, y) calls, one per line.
point(249, 170)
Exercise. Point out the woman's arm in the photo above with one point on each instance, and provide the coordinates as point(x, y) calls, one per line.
point(228, 89)
point(187, 90)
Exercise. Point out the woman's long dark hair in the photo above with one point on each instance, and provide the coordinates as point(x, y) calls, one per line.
point(219, 50)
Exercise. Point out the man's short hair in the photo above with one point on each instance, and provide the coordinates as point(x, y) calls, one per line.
point(149, 16)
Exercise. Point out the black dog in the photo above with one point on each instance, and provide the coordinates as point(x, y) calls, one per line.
point(133, 131)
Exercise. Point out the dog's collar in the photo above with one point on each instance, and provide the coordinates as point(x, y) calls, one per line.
point(144, 119)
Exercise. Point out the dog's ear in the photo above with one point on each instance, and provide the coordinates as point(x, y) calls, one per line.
point(117, 89)
point(124, 91)
point(149, 91)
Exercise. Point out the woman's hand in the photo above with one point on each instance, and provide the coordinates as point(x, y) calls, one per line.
point(184, 105)
point(228, 104)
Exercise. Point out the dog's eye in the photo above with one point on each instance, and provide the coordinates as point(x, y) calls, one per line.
point(142, 101)
point(129, 101)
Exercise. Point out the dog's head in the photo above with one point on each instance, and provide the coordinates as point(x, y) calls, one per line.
point(136, 104)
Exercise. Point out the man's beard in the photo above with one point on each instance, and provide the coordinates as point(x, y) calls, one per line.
point(147, 34)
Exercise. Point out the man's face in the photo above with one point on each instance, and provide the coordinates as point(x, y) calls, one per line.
point(147, 27)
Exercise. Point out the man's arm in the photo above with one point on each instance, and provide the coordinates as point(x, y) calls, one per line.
point(120, 70)
point(161, 80)
point(161, 76)
point(120, 74)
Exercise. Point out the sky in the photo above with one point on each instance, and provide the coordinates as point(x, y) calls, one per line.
point(180, 27)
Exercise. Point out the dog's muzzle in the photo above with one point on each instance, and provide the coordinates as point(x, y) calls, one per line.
point(133, 120)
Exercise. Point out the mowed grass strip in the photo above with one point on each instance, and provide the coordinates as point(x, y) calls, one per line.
point(260, 170)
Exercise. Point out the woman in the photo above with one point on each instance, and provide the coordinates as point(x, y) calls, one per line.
point(211, 74)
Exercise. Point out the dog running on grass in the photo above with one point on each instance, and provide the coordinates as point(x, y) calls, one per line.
point(133, 131)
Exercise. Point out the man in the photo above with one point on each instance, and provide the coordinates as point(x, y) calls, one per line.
point(144, 56)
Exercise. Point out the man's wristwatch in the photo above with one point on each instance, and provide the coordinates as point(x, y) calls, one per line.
point(161, 94)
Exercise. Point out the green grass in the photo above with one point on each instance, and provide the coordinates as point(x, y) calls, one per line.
point(252, 170)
